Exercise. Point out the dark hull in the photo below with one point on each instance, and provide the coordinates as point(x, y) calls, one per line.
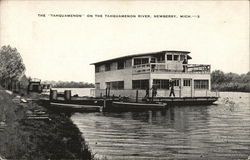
point(96, 105)
point(188, 100)
point(127, 106)
point(74, 107)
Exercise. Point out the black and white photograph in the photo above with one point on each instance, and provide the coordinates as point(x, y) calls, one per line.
point(124, 80)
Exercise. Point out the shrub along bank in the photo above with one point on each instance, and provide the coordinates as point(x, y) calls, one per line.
point(24, 136)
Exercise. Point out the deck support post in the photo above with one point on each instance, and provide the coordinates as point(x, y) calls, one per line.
point(109, 92)
point(104, 103)
point(152, 99)
point(136, 96)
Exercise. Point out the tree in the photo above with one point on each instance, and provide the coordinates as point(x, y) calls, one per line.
point(11, 64)
point(217, 77)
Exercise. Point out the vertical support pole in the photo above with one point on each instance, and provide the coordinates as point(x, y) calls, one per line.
point(152, 99)
point(180, 87)
point(104, 103)
point(109, 92)
point(191, 90)
point(106, 92)
point(136, 96)
point(180, 91)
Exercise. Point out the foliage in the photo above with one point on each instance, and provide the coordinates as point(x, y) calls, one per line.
point(11, 63)
point(230, 81)
point(23, 138)
point(66, 84)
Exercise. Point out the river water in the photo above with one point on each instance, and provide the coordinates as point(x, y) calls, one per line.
point(217, 132)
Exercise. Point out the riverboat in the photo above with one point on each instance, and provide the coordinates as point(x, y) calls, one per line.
point(164, 76)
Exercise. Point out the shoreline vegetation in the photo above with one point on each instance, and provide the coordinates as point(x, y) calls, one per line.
point(71, 84)
point(230, 82)
point(25, 134)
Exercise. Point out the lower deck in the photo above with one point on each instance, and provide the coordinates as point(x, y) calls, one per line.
point(143, 93)
point(91, 104)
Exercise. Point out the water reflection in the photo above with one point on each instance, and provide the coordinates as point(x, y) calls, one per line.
point(219, 131)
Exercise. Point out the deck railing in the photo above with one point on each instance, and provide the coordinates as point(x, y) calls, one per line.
point(162, 67)
point(131, 93)
point(200, 68)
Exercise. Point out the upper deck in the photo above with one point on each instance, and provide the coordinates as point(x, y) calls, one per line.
point(163, 68)
point(157, 62)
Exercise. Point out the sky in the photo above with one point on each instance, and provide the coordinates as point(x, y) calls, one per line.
point(62, 48)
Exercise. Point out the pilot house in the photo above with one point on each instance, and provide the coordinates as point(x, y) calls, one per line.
point(124, 76)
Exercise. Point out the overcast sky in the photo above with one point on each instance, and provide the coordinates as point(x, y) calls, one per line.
point(62, 48)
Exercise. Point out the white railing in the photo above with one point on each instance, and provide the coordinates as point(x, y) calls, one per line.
point(92, 92)
point(142, 68)
point(199, 68)
point(162, 67)
point(131, 93)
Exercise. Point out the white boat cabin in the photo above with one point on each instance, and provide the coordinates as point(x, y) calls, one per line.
point(125, 75)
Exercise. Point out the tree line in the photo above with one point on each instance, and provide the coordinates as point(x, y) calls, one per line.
point(230, 81)
point(70, 84)
point(12, 68)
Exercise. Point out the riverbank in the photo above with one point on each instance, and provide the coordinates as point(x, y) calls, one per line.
point(30, 131)
point(231, 87)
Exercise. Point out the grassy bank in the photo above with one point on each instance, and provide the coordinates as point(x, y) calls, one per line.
point(24, 137)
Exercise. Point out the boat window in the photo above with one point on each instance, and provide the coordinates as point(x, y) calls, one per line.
point(97, 85)
point(128, 63)
point(115, 85)
point(120, 84)
point(139, 61)
point(152, 60)
point(120, 64)
point(144, 61)
point(107, 67)
point(163, 57)
point(200, 84)
point(97, 69)
point(176, 57)
point(161, 83)
point(169, 57)
point(177, 82)
point(182, 57)
point(107, 84)
point(187, 82)
point(158, 59)
point(140, 84)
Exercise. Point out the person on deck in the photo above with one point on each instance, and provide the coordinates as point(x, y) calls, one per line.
point(171, 89)
point(154, 92)
point(184, 63)
point(147, 93)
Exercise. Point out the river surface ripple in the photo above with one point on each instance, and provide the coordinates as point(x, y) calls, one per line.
point(220, 131)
